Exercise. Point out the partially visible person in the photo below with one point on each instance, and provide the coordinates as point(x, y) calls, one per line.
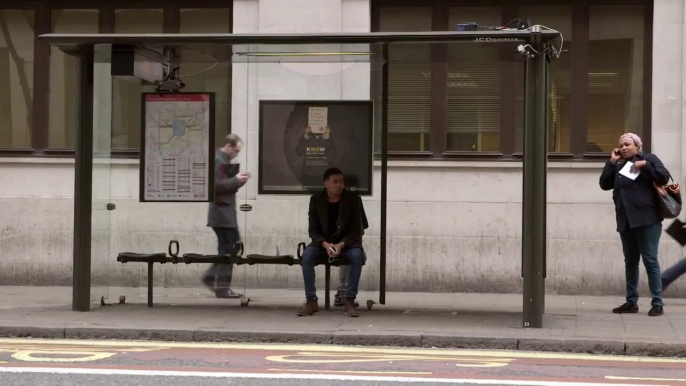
point(222, 214)
point(639, 221)
point(335, 227)
point(673, 273)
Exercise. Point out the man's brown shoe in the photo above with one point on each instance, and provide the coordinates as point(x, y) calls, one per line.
point(350, 308)
point(316, 308)
point(309, 309)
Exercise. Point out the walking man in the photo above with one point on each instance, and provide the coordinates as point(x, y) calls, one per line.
point(222, 217)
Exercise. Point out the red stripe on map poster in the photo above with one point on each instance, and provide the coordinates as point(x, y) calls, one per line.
point(177, 98)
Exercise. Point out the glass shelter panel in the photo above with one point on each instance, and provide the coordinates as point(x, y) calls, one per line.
point(304, 109)
point(276, 93)
point(126, 93)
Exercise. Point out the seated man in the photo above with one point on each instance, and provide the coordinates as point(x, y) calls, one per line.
point(335, 227)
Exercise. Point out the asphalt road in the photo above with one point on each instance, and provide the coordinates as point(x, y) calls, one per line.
point(119, 363)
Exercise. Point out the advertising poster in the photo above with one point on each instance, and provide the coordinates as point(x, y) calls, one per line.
point(178, 150)
point(299, 140)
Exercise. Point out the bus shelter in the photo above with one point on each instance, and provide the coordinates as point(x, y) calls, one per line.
point(343, 62)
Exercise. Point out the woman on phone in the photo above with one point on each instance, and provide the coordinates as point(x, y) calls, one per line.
point(632, 175)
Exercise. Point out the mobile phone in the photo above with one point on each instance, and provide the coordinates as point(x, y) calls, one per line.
point(332, 249)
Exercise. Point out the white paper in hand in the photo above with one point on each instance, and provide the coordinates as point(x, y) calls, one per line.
point(626, 171)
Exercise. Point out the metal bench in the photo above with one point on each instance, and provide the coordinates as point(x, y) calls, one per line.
point(236, 257)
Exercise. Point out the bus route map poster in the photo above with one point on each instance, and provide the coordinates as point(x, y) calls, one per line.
point(177, 152)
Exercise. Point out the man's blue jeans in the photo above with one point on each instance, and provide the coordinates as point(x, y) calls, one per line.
point(222, 273)
point(310, 257)
point(637, 242)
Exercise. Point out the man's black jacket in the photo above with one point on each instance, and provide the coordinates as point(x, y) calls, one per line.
point(350, 219)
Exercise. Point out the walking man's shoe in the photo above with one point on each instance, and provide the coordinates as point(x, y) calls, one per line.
point(656, 311)
point(350, 308)
point(626, 308)
point(227, 294)
point(309, 309)
point(339, 301)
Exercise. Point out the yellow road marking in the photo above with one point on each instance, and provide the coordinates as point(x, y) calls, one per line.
point(644, 379)
point(58, 346)
point(319, 358)
point(31, 352)
point(83, 356)
point(355, 372)
point(340, 349)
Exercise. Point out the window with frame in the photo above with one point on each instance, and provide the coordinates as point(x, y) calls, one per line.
point(62, 102)
point(615, 74)
point(473, 87)
point(596, 88)
point(16, 77)
point(39, 105)
point(409, 82)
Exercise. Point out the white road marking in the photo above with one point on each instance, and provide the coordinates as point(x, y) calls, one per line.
point(644, 379)
point(199, 374)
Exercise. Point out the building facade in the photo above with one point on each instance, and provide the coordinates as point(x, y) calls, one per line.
point(455, 124)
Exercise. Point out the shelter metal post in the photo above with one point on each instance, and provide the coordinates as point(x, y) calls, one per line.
point(534, 199)
point(384, 175)
point(83, 166)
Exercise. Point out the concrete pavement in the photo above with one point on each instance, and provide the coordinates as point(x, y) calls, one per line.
point(580, 324)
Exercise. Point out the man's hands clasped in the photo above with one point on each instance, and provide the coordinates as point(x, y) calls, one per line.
point(337, 249)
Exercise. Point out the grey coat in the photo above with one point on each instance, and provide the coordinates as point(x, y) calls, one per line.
point(222, 212)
